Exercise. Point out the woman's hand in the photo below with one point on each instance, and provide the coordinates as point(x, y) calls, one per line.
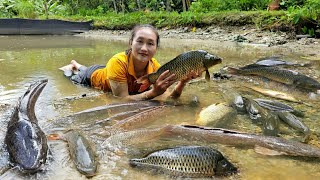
point(165, 80)
point(177, 91)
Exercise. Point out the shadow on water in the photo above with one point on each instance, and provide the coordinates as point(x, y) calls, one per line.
point(25, 59)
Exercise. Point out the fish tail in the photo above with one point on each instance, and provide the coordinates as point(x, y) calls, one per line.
point(143, 80)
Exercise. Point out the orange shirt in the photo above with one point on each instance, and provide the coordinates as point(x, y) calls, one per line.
point(120, 68)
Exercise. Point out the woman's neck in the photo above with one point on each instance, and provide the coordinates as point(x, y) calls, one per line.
point(140, 67)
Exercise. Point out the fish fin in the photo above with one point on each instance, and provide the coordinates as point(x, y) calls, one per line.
point(143, 87)
point(55, 137)
point(231, 70)
point(266, 151)
point(207, 75)
point(143, 79)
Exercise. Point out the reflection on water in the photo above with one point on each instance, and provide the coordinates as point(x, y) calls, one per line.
point(25, 59)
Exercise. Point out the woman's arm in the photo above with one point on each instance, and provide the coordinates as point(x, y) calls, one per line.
point(159, 87)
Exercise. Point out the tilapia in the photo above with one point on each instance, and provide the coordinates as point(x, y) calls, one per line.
point(229, 137)
point(25, 141)
point(288, 77)
point(215, 115)
point(182, 65)
point(186, 161)
point(81, 151)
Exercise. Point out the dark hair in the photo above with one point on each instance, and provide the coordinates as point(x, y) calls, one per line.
point(137, 28)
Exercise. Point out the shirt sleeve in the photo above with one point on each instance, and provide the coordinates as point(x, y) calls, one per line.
point(117, 69)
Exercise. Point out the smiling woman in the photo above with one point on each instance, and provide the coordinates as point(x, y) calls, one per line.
point(123, 69)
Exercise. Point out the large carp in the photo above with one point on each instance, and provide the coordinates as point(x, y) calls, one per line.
point(26, 142)
point(187, 161)
point(280, 75)
point(182, 66)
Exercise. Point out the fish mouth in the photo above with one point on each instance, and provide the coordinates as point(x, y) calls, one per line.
point(29, 99)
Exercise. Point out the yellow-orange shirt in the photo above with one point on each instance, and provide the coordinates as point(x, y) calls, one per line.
point(120, 68)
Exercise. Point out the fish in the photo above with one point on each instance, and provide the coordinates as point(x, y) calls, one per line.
point(135, 121)
point(240, 139)
point(252, 108)
point(186, 161)
point(81, 151)
point(276, 61)
point(269, 120)
point(275, 94)
point(181, 66)
point(215, 115)
point(278, 106)
point(284, 76)
point(293, 122)
point(25, 140)
point(124, 139)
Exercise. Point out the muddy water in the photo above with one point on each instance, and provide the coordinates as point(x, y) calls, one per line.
point(25, 59)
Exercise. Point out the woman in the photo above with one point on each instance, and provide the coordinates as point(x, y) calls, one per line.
point(123, 69)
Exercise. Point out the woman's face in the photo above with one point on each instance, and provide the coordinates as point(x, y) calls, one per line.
point(144, 45)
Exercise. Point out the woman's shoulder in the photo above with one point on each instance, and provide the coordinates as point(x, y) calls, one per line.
point(119, 58)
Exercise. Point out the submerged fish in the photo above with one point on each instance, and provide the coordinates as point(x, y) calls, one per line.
point(25, 141)
point(293, 121)
point(215, 115)
point(81, 152)
point(229, 137)
point(276, 61)
point(186, 161)
point(278, 106)
point(182, 65)
point(135, 121)
point(275, 94)
point(280, 75)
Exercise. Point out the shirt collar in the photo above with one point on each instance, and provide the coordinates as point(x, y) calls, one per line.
point(150, 68)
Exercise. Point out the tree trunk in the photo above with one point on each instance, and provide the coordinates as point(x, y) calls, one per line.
point(46, 8)
point(168, 5)
point(115, 6)
point(184, 5)
point(138, 3)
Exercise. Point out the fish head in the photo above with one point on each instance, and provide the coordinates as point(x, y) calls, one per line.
point(309, 84)
point(224, 168)
point(210, 59)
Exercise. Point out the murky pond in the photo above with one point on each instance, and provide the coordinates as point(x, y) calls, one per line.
point(25, 59)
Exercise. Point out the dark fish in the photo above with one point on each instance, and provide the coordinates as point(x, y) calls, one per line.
point(270, 122)
point(280, 75)
point(269, 119)
point(293, 122)
point(229, 137)
point(276, 61)
point(182, 65)
point(26, 142)
point(81, 151)
point(186, 161)
point(252, 108)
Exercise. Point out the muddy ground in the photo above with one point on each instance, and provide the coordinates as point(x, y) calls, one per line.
point(246, 35)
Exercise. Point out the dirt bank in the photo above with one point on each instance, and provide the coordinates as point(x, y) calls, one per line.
point(245, 35)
